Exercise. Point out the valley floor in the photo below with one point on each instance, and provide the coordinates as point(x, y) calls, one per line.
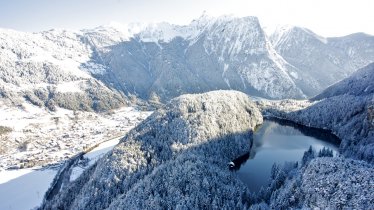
point(41, 138)
point(40, 141)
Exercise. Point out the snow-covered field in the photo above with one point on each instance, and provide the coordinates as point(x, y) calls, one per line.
point(24, 189)
point(40, 137)
point(91, 157)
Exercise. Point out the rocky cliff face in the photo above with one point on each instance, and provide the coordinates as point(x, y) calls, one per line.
point(209, 54)
point(232, 53)
point(176, 158)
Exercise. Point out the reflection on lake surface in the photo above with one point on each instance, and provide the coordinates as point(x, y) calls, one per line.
point(278, 141)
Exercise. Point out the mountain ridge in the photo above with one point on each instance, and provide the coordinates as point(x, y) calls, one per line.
point(322, 61)
point(163, 61)
point(220, 57)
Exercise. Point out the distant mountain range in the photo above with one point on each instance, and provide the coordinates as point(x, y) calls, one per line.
point(102, 68)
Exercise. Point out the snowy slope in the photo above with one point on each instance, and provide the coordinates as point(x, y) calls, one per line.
point(176, 157)
point(358, 46)
point(227, 52)
point(359, 83)
point(208, 54)
point(324, 183)
point(319, 61)
point(167, 60)
point(43, 78)
point(46, 69)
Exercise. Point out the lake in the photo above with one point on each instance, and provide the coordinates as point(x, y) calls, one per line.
point(278, 141)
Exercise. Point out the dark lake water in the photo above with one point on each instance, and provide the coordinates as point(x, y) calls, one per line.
point(278, 141)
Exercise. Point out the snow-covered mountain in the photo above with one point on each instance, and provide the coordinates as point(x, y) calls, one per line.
point(208, 54)
point(360, 83)
point(230, 53)
point(175, 158)
point(358, 46)
point(319, 61)
point(92, 68)
point(46, 69)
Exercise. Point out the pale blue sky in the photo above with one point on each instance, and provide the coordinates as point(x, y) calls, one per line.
point(325, 17)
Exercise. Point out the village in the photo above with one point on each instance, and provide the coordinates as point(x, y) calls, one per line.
point(40, 138)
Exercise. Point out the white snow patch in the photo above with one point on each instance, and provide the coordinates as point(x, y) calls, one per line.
point(93, 68)
point(7, 175)
point(227, 82)
point(102, 148)
point(225, 67)
point(294, 74)
point(69, 87)
point(93, 156)
point(25, 188)
point(243, 82)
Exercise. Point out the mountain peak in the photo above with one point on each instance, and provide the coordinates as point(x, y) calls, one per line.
point(164, 31)
point(286, 33)
point(203, 17)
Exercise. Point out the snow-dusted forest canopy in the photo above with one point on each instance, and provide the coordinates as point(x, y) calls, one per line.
point(177, 158)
